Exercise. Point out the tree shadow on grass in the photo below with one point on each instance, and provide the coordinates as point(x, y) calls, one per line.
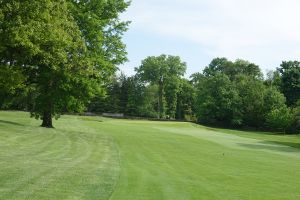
point(290, 144)
point(274, 146)
point(10, 123)
point(91, 119)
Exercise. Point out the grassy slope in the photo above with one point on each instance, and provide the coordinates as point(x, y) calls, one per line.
point(84, 158)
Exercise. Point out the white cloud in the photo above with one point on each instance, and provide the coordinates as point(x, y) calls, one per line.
point(259, 30)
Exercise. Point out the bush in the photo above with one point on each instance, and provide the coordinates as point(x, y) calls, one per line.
point(280, 119)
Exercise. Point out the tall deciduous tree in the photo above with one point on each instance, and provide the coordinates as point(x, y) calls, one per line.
point(290, 81)
point(41, 38)
point(218, 101)
point(102, 30)
point(160, 70)
point(233, 93)
point(172, 89)
point(232, 69)
point(252, 93)
point(186, 98)
point(63, 53)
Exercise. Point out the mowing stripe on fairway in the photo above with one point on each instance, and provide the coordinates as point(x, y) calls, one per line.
point(98, 158)
point(63, 163)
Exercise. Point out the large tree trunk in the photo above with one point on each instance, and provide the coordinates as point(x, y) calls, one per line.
point(47, 119)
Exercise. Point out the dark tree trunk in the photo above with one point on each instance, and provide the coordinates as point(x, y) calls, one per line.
point(47, 120)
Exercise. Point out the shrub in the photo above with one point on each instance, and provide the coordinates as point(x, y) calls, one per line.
point(280, 118)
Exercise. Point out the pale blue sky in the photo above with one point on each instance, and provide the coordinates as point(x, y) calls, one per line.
point(262, 31)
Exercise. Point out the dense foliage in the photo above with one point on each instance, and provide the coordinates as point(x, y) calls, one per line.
point(59, 52)
point(133, 97)
point(235, 94)
point(231, 94)
point(290, 81)
point(165, 72)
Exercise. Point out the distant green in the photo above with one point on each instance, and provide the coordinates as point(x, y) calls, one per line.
point(99, 158)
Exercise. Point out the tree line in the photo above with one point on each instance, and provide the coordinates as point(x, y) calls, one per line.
point(226, 93)
point(156, 91)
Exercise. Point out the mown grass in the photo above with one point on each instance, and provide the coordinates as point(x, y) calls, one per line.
point(68, 162)
point(98, 158)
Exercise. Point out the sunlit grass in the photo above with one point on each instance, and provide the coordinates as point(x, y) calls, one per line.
point(98, 158)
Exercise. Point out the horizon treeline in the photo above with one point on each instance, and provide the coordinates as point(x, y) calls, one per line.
point(225, 93)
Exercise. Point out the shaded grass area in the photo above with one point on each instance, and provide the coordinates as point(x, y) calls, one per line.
point(99, 158)
point(267, 137)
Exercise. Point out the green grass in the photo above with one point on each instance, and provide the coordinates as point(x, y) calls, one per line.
point(98, 158)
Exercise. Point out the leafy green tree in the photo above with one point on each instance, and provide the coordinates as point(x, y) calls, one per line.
point(113, 100)
point(280, 118)
point(160, 70)
point(218, 101)
point(127, 95)
point(136, 96)
point(232, 69)
point(149, 107)
point(273, 79)
point(296, 112)
point(295, 126)
point(233, 93)
point(248, 69)
point(172, 89)
point(59, 50)
point(102, 31)
point(41, 38)
point(273, 99)
point(97, 104)
point(290, 81)
point(197, 79)
point(217, 65)
point(252, 93)
point(10, 81)
point(186, 101)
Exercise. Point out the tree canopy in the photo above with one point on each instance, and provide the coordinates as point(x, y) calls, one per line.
point(63, 51)
point(290, 81)
point(164, 71)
